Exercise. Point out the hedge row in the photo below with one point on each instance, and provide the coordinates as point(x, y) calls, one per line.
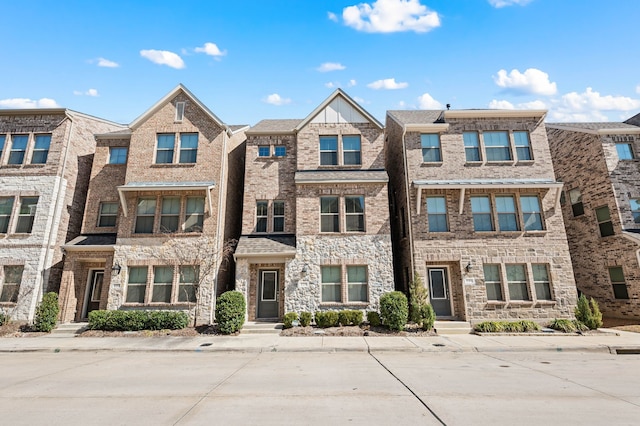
point(137, 320)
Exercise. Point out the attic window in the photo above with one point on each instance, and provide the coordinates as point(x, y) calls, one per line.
point(179, 111)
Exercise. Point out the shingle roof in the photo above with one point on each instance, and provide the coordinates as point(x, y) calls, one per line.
point(275, 126)
point(337, 176)
point(594, 126)
point(416, 116)
point(266, 246)
point(93, 240)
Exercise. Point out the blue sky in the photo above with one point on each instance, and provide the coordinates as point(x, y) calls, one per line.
point(253, 59)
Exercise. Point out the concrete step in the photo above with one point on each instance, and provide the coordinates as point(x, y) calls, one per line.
point(260, 327)
point(452, 327)
point(69, 329)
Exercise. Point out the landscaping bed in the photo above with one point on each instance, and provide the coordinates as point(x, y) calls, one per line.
point(354, 330)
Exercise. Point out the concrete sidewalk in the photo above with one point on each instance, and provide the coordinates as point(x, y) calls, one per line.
point(608, 341)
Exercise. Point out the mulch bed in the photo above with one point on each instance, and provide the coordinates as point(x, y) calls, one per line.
point(410, 330)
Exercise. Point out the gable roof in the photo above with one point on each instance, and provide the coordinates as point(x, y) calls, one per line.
point(271, 127)
point(339, 93)
point(179, 88)
point(597, 128)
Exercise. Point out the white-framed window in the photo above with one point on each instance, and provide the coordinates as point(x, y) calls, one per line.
point(354, 212)
point(481, 212)
point(471, 146)
point(262, 215)
point(523, 146)
point(517, 282)
point(107, 214)
point(531, 213)
point(162, 284)
point(264, 151)
point(118, 155)
point(26, 214)
point(194, 220)
point(137, 284)
point(18, 149)
point(189, 276)
point(177, 214)
point(635, 209)
point(165, 148)
point(278, 216)
point(328, 150)
point(507, 216)
point(625, 151)
point(6, 208)
point(496, 145)
point(541, 281)
point(188, 148)
point(280, 151)
point(331, 284)
point(493, 281)
point(170, 214)
point(357, 288)
point(437, 214)
point(145, 215)
point(351, 152)
point(329, 214)
point(179, 111)
point(430, 144)
point(11, 280)
point(41, 149)
point(605, 224)
point(575, 198)
point(616, 275)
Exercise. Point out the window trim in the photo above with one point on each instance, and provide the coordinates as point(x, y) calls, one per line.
point(630, 151)
point(539, 213)
point(514, 214)
point(364, 283)
point(4, 284)
point(261, 151)
point(499, 283)
point(577, 208)
point(335, 158)
point(112, 150)
point(282, 149)
point(146, 215)
point(101, 215)
point(483, 213)
point(171, 215)
point(180, 106)
point(604, 222)
point(487, 148)
point(37, 150)
point(165, 150)
point(343, 283)
point(333, 284)
point(437, 149)
point(11, 205)
point(345, 151)
point(527, 146)
point(524, 283)
point(467, 147)
point(33, 208)
point(618, 284)
point(278, 216)
point(334, 215)
point(348, 215)
point(431, 216)
point(3, 143)
point(12, 149)
point(635, 213)
point(192, 151)
point(546, 282)
point(262, 218)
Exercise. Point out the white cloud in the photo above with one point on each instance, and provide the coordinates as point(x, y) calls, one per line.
point(638, 89)
point(352, 83)
point(425, 101)
point(503, 3)
point(211, 49)
point(359, 100)
point(330, 85)
point(387, 84)
point(163, 57)
point(332, 16)
point(275, 99)
point(21, 103)
point(503, 104)
point(531, 81)
point(90, 92)
point(388, 16)
point(330, 66)
point(102, 62)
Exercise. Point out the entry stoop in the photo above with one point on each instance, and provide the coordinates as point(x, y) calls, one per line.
point(452, 327)
point(260, 327)
point(69, 329)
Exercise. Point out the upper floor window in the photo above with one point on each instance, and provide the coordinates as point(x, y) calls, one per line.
point(351, 150)
point(471, 146)
point(264, 151)
point(481, 211)
point(2, 140)
point(329, 216)
point(635, 209)
point(523, 146)
point(604, 221)
point(575, 198)
point(616, 275)
point(26, 214)
point(531, 213)
point(625, 151)
point(437, 214)
point(188, 147)
point(194, 220)
point(430, 144)
point(507, 217)
point(18, 149)
point(41, 149)
point(164, 151)
point(497, 147)
point(179, 111)
point(12, 278)
point(280, 150)
point(6, 207)
point(108, 214)
point(170, 214)
point(278, 216)
point(492, 282)
point(328, 150)
point(262, 215)
point(541, 281)
point(354, 209)
point(117, 155)
point(145, 215)
point(177, 214)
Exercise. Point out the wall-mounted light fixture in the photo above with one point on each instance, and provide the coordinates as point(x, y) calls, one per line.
point(305, 269)
point(468, 267)
point(117, 268)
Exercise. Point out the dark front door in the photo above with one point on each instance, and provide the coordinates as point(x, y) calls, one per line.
point(439, 292)
point(268, 294)
point(94, 287)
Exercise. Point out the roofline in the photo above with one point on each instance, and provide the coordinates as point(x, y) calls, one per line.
point(273, 132)
point(494, 113)
point(267, 254)
point(611, 131)
point(244, 127)
point(631, 236)
point(70, 113)
point(428, 127)
point(112, 136)
point(327, 101)
point(102, 247)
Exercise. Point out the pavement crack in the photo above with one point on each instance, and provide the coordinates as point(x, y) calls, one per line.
point(424, 404)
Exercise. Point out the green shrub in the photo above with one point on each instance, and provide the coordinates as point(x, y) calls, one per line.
point(47, 313)
point(348, 317)
point(522, 326)
point(137, 320)
point(428, 317)
point(305, 318)
point(588, 313)
point(417, 298)
point(288, 319)
point(394, 310)
point(230, 311)
point(488, 327)
point(373, 318)
point(567, 325)
point(4, 319)
point(327, 319)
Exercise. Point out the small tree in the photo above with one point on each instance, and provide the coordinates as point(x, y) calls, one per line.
point(588, 312)
point(47, 313)
point(417, 298)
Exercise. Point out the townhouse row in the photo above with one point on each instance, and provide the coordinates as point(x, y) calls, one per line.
point(325, 212)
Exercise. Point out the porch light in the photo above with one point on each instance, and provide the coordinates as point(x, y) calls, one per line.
point(305, 269)
point(468, 267)
point(117, 268)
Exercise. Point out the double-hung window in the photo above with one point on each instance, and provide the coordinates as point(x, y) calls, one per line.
point(26, 214)
point(278, 216)
point(331, 283)
point(329, 215)
point(108, 214)
point(616, 275)
point(351, 150)
point(635, 209)
point(188, 147)
point(328, 150)
point(18, 149)
point(431, 152)
point(6, 207)
point(165, 147)
point(357, 284)
point(170, 214)
point(137, 284)
point(179, 111)
point(604, 221)
point(541, 281)
point(262, 215)
point(496, 145)
point(517, 282)
point(11, 283)
point(523, 146)
point(492, 282)
point(188, 282)
point(162, 283)
point(194, 220)
point(507, 217)
point(531, 213)
point(575, 198)
point(625, 151)
point(118, 155)
point(481, 211)
point(471, 146)
point(354, 211)
point(41, 149)
point(437, 214)
point(145, 214)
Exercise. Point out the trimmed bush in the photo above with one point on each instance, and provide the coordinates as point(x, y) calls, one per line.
point(288, 319)
point(327, 319)
point(4, 319)
point(417, 298)
point(305, 318)
point(427, 316)
point(373, 318)
point(47, 313)
point(522, 326)
point(348, 317)
point(230, 311)
point(394, 310)
point(588, 313)
point(137, 320)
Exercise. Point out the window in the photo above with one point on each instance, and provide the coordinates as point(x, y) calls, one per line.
point(278, 216)
point(517, 282)
point(107, 214)
point(280, 150)
point(11, 283)
point(575, 197)
point(162, 282)
point(531, 213)
point(496, 145)
point(188, 281)
point(262, 212)
point(179, 111)
point(26, 214)
point(616, 275)
point(471, 146)
point(331, 284)
point(188, 147)
point(604, 221)
point(329, 217)
point(6, 207)
point(625, 152)
point(507, 218)
point(351, 150)
point(430, 144)
point(194, 220)
point(523, 146)
point(437, 214)
point(18, 149)
point(493, 282)
point(481, 211)
point(541, 281)
point(164, 152)
point(328, 150)
point(41, 149)
point(357, 284)
point(2, 140)
point(170, 214)
point(264, 151)
point(354, 210)
point(117, 155)
point(137, 284)
point(635, 209)
point(145, 214)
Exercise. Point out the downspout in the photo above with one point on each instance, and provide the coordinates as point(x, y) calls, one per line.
point(408, 198)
